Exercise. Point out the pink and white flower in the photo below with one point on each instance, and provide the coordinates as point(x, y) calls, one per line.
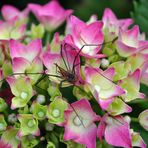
point(115, 130)
point(10, 12)
point(131, 85)
point(129, 42)
point(112, 24)
point(118, 107)
point(26, 58)
point(9, 30)
point(79, 123)
point(101, 85)
point(22, 93)
point(144, 77)
point(51, 15)
point(83, 34)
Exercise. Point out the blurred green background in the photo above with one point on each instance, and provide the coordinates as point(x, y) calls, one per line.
point(83, 8)
point(137, 9)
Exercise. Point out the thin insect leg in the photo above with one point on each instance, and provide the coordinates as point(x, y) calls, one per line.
point(30, 74)
point(40, 88)
point(67, 56)
point(75, 67)
point(117, 120)
point(76, 57)
point(63, 57)
point(39, 80)
point(77, 115)
point(92, 45)
point(56, 68)
point(103, 75)
point(60, 86)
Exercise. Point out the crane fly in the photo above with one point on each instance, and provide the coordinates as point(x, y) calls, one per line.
point(70, 72)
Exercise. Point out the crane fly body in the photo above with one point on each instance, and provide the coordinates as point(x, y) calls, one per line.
point(68, 76)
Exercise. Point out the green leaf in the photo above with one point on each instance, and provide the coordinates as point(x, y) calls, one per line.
point(140, 14)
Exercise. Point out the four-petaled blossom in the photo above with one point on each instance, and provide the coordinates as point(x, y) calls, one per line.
point(26, 58)
point(115, 130)
point(112, 24)
point(131, 85)
point(29, 125)
point(79, 123)
point(51, 15)
point(118, 107)
point(101, 85)
point(9, 30)
point(129, 43)
point(85, 34)
point(10, 12)
point(22, 93)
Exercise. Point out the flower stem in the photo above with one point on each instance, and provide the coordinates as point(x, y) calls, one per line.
point(133, 119)
point(48, 37)
point(138, 101)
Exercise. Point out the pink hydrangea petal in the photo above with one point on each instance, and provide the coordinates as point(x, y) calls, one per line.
point(4, 144)
point(132, 33)
point(101, 85)
point(74, 22)
point(125, 23)
point(19, 65)
point(109, 73)
point(89, 141)
point(48, 14)
point(101, 129)
point(139, 141)
point(108, 15)
point(117, 132)
point(81, 36)
point(118, 107)
point(49, 60)
point(135, 76)
point(28, 52)
point(34, 8)
point(84, 105)
point(97, 36)
point(80, 134)
point(125, 50)
point(71, 57)
point(9, 12)
point(105, 103)
point(144, 77)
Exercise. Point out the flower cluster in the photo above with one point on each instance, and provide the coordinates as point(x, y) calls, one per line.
point(97, 65)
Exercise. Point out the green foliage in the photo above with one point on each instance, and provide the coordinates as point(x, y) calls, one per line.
point(140, 14)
